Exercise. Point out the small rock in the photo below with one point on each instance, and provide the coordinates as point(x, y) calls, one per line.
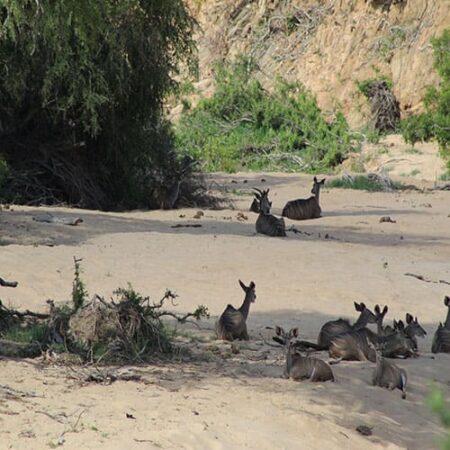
point(401, 238)
point(199, 214)
point(241, 216)
point(263, 180)
point(130, 416)
point(387, 219)
point(245, 181)
point(385, 264)
point(182, 216)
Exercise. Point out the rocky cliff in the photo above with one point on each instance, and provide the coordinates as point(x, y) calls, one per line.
point(327, 45)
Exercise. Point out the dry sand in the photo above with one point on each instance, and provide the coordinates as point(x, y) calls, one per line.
point(235, 401)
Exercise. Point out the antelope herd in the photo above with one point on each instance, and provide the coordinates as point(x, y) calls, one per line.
point(342, 340)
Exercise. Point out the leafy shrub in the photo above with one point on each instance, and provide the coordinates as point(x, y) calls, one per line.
point(363, 182)
point(244, 126)
point(434, 123)
point(441, 410)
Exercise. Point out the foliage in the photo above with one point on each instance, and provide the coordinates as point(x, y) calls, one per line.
point(434, 123)
point(361, 182)
point(79, 292)
point(442, 410)
point(364, 86)
point(130, 327)
point(27, 333)
point(82, 86)
point(244, 126)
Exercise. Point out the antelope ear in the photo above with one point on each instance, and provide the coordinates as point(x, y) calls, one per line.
point(400, 325)
point(243, 286)
point(409, 318)
point(294, 332)
point(377, 309)
point(357, 306)
point(251, 285)
point(447, 300)
point(315, 179)
point(279, 331)
point(385, 310)
point(323, 181)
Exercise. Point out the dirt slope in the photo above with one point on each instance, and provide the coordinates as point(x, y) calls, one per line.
point(327, 45)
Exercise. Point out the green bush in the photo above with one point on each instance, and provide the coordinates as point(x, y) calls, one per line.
point(243, 126)
point(434, 123)
point(442, 410)
point(82, 87)
point(361, 182)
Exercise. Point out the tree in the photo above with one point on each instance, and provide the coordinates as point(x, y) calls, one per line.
point(82, 86)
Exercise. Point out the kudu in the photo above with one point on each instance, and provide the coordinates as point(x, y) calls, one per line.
point(232, 323)
point(266, 223)
point(398, 344)
point(341, 326)
point(169, 191)
point(354, 344)
point(413, 330)
point(303, 209)
point(399, 341)
point(387, 374)
point(441, 339)
point(300, 367)
point(255, 206)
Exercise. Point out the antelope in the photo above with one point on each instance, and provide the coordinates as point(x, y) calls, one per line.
point(254, 207)
point(354, 344)
point(340, 326)
point(441, 339)
point(300, 367)
point(168, 194)
point(232, 323)
point(414, 329)
point(387, 374)
point(266, 222)
point(398, 344)
point(303, 209)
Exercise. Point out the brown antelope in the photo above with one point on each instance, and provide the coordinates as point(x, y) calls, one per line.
point(340, 326)
point(232, 323)
point(441, 339)
point(387, 374)
point(413, 329)
point(398, 344)
point(300, 367)
point(255, 206)
point(303, 209)
point(266, 223)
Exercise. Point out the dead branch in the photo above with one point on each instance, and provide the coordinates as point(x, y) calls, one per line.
point(427, 280)
point(5, 283)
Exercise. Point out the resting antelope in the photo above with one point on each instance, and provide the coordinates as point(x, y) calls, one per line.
point(387, 374)
point(340, 326)
point(266, 223)
point(300, 367)
point(441, 339)
point(232, 323)
point(303, 209)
